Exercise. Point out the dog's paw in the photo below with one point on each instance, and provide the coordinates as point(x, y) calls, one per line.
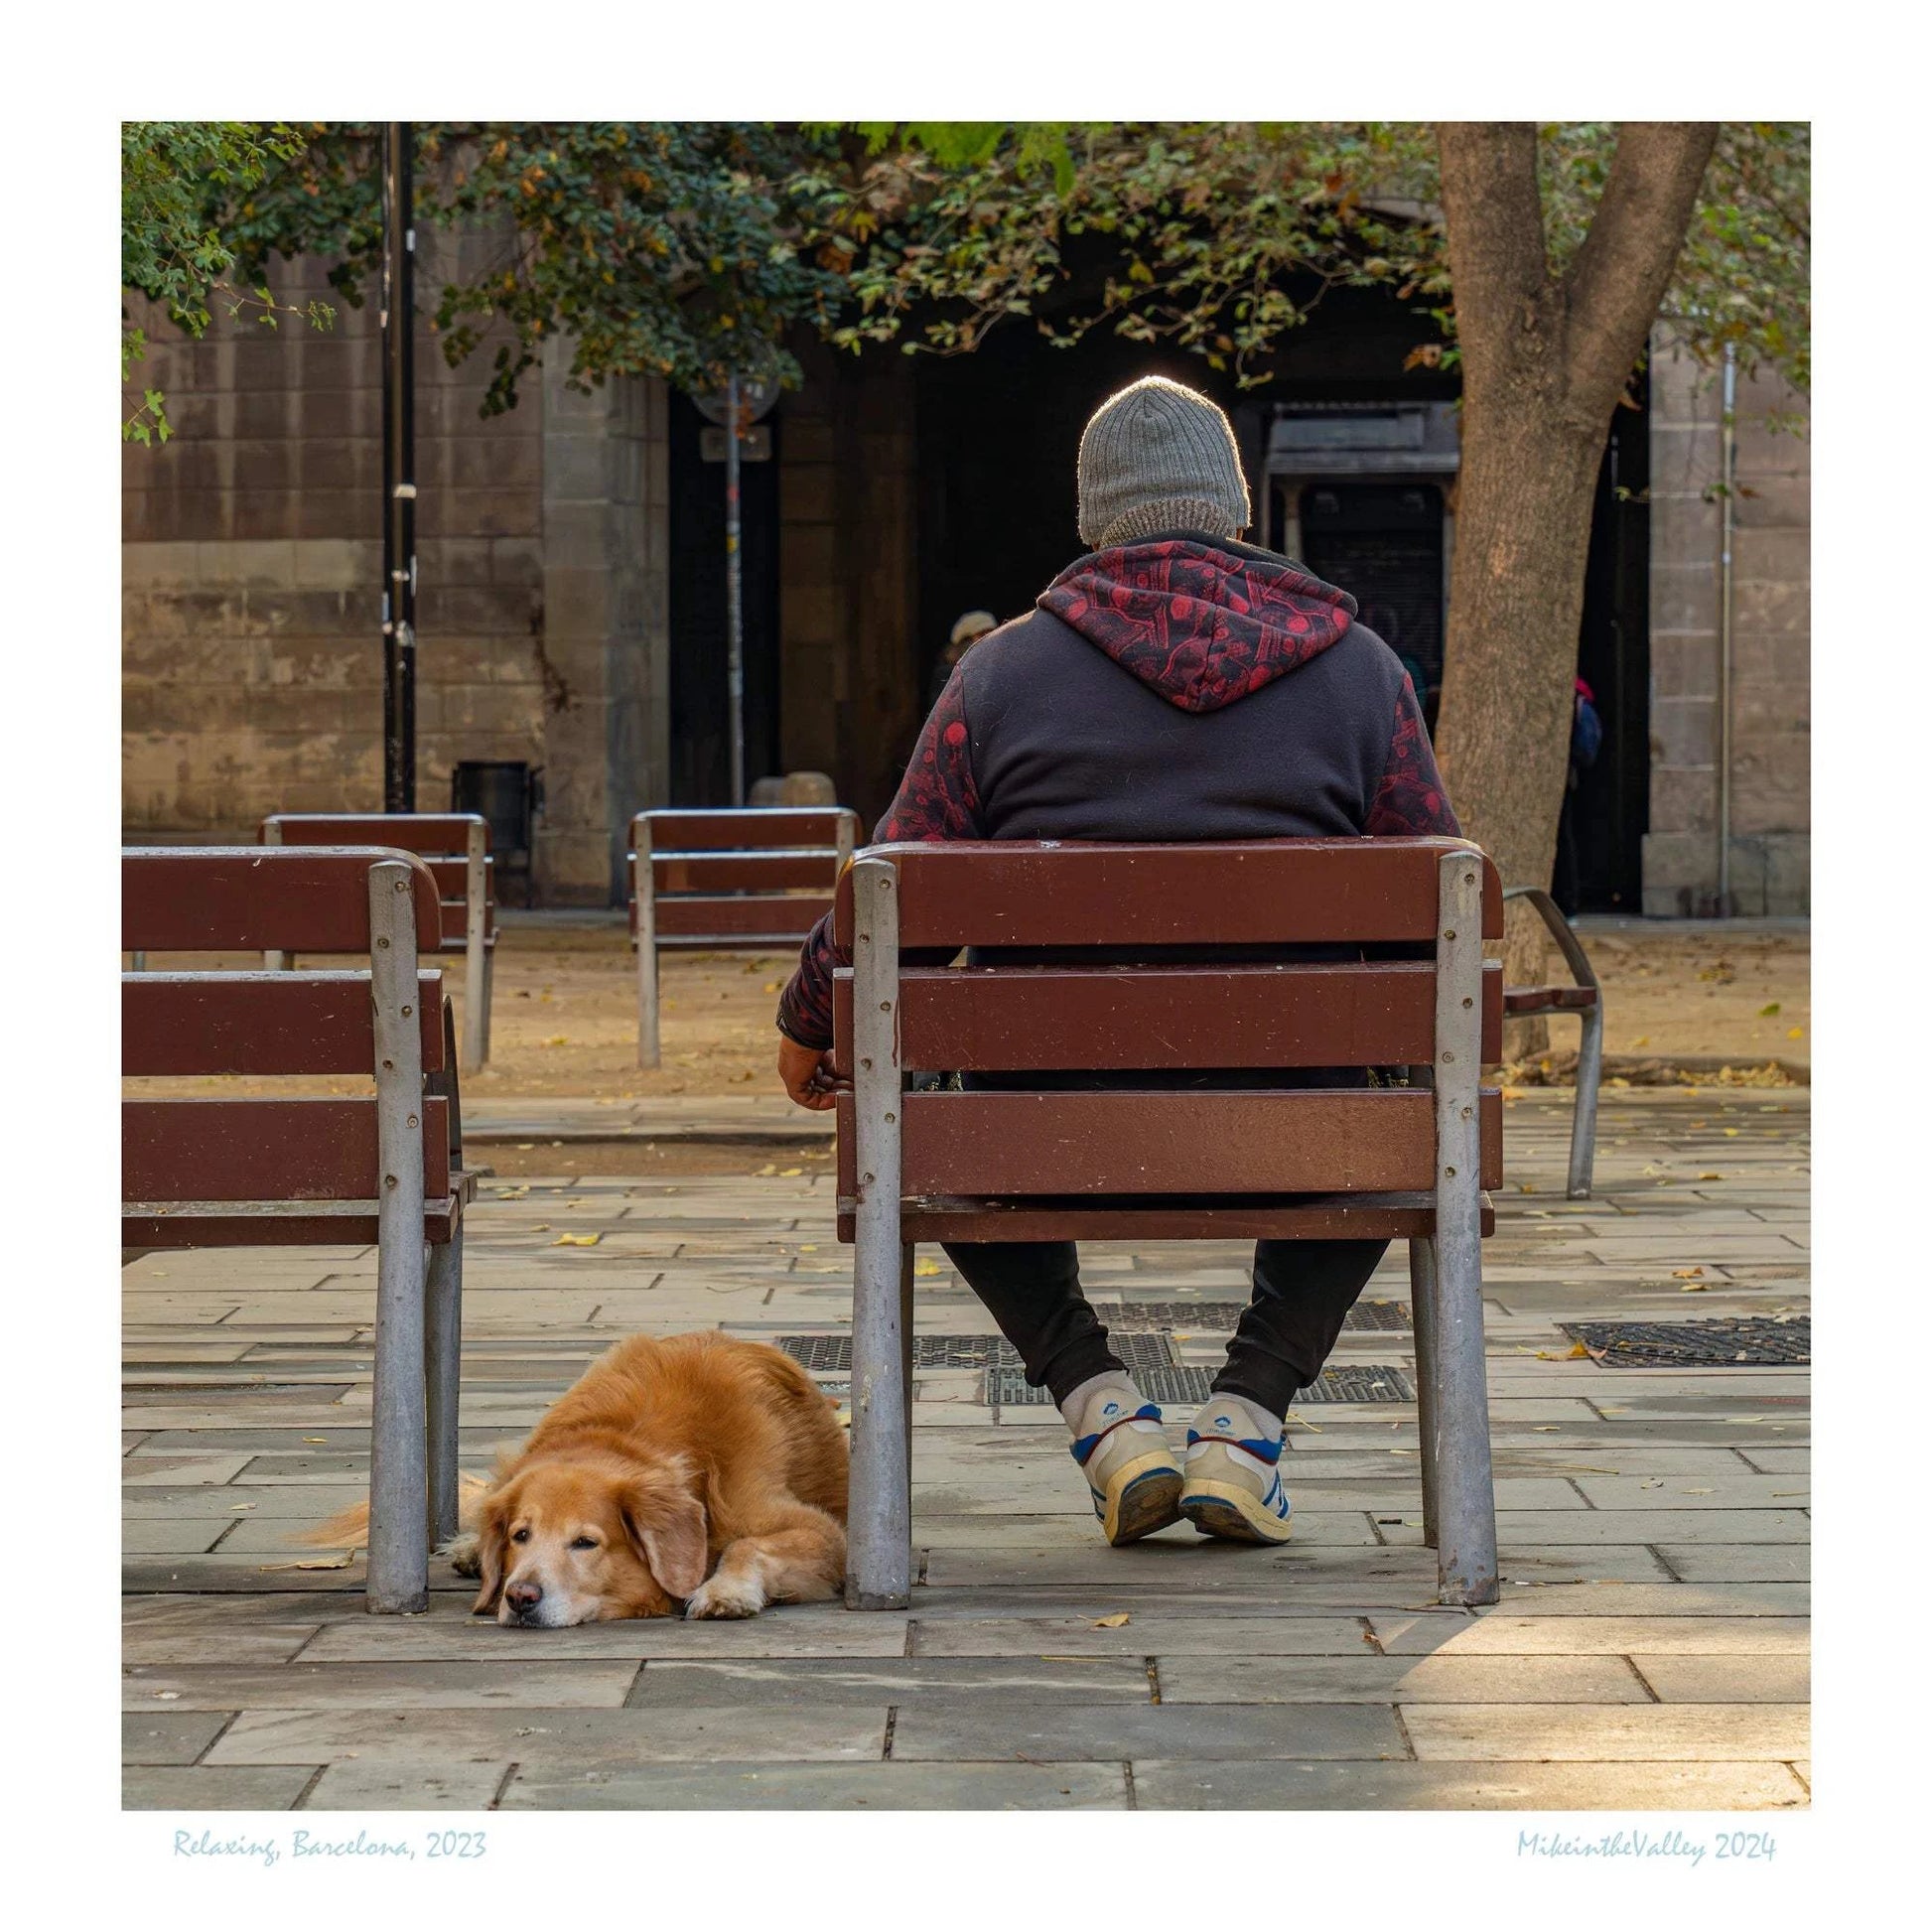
point(465, 1554)
point(721, 1596)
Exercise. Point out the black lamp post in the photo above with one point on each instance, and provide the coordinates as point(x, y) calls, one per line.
point(398, 469)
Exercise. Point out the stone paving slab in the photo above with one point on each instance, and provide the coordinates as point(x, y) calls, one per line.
point(987, 1728)
point(1653, 1528)
point(1603, 1734)
point(831, 1733)
point(214, 1787)
point(407, 1784)
point(894, 1786)
point(1437, 1786)
point(678, 1682)
point(539, 1684)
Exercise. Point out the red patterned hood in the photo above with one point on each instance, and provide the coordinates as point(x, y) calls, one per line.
point(1203, 624)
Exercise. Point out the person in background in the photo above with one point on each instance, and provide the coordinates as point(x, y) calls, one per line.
point(1586, 742)
point(1175, 684)
point(965, 632)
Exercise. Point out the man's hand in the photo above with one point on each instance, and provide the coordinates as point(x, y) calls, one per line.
point(807, 1074)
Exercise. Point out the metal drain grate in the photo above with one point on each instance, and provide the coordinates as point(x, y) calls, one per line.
point(1006, 1387)
point(1746, 1341)
point(832, 1354)
point(1220, 1318)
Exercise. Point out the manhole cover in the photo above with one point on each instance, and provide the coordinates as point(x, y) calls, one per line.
point(1369, 1382)
point(1748, 1341)
point(1220, 1318)
point(832, 1354)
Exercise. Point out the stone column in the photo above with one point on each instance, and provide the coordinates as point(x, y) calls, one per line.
point(1770, 693)
point(602, 641)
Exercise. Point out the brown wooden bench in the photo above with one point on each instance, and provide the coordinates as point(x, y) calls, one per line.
point(275, 1173)
point(1585, 1001)
point(748, 880)
point(1026, 1163)
point(456, 848)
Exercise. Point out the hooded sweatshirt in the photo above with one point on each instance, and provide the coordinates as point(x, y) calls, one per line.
point(1170, 690)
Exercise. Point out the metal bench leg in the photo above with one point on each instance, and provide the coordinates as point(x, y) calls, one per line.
point(398, 1577)
point(475, 997)
point(1421, 1301)
point(907, 1255)
point(442, 1374)
point(1589, 1077)
point(643, 888)
point(879, 1524)
point(1465, 1500)
point(489, 998)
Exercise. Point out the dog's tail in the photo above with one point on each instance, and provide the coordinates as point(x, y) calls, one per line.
point(348, 1529)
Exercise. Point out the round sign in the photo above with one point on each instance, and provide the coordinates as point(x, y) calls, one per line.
point(755, 395)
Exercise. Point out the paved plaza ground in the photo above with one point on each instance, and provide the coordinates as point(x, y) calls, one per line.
point(1650, 1649)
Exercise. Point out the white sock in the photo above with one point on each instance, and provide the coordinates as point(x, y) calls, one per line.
point(1074, 1408)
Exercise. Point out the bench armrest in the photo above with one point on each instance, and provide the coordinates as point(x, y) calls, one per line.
point(1566, 941)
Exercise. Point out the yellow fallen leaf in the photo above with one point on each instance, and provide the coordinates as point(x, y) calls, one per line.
point(1731, 1133)
point(789, 1173)
point(577, 1241)
point(1687, 1274)
point(809, 1248)
point(925, 1268)
point(1643, 1042)
point(1794, 1033)
point(771, 985)
point(1771, 1012)
point(1111, 1623)
point(1695, 1288)
point(341, 1562)
point(315, 1438)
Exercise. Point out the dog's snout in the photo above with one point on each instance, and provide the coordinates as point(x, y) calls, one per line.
point(524, 1596)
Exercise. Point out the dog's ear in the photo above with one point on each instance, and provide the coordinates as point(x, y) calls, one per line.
point(492, 1524)
point(666, 1522)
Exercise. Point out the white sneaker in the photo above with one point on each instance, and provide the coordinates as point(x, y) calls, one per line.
point(1118, 1443)
point(1231, 1481)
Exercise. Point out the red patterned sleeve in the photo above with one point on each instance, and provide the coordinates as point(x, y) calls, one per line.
point(1411, 801)
point(936, 799)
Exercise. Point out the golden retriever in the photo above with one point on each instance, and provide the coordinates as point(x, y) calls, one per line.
point(697, 1469)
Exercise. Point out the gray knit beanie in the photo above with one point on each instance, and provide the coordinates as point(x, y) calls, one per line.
point(1159, 456)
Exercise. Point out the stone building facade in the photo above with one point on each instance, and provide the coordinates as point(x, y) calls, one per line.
point(560, 616)
point(1770, 694)
point(251, 571)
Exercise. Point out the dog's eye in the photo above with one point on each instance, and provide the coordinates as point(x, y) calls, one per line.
point(582, 1543)
point(520, 1536)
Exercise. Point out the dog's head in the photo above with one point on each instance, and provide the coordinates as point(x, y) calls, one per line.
point(589, 1540)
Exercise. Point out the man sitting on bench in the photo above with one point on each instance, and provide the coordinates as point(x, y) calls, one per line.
point(1172, 685)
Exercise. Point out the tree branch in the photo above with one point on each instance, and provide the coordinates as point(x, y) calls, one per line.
point(1618, 280)
point(1494, 214)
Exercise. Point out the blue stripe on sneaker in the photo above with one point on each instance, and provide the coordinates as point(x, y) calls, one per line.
point(1260, 1450)
point(1084, 1446)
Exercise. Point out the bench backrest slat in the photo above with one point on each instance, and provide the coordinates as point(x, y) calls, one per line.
point(260, 898)
point(266, 1150)
point(440, 835)
point(1287, 891)
point(785, 917)
point(1106, 1019)
point(750, 828)
point(262, 1022)
point(1311, 1142)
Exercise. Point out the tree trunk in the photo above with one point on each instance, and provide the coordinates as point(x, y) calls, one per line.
point(1545, 360)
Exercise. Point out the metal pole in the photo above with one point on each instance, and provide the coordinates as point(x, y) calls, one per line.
point(1728, 490)
point(734, 589)
point(398, 469)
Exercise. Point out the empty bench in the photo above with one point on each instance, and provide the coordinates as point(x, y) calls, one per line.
point(287, 1171)
point(1044, 1163)
point(456, 848)
point(1583, 1000)
point(750, 879)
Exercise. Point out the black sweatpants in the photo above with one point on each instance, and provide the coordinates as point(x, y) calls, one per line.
point(1303, 1292)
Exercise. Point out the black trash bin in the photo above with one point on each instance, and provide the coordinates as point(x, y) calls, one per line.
point(509, 795)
